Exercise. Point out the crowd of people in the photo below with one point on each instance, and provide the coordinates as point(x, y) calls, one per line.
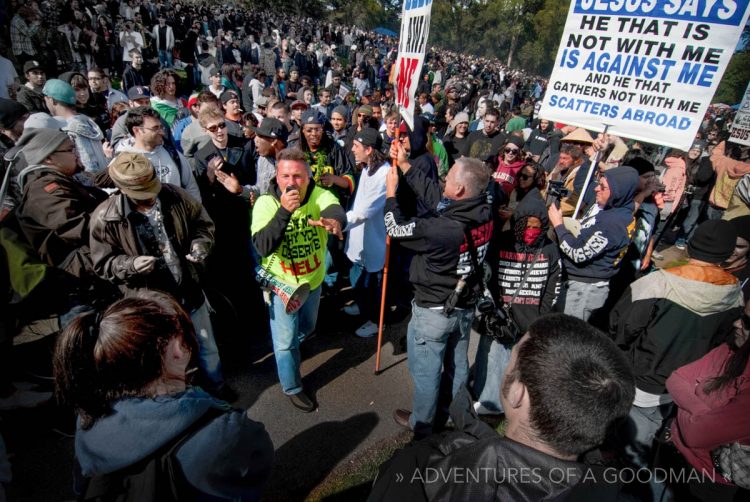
point(159, 157)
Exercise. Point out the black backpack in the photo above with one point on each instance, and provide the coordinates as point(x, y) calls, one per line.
point(157, 477)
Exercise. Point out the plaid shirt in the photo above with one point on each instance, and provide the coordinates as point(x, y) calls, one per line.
point(20, 36)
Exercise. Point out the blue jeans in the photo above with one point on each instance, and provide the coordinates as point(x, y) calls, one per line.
point(438, 348)
point(714, 213)
point(209, 352)
point(581, 299)
point(366, 291)
point(287, 331)
point(492, 359)
point(165, 59)
point(690, 223)
point(641, 427)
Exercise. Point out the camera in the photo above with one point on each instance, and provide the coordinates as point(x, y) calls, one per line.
point(556, 190)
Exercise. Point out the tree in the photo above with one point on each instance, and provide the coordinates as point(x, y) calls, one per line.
point(733, 84)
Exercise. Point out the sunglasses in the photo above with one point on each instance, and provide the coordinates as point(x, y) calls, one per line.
point(512, 150)
point(525, 176)
point(216, 127)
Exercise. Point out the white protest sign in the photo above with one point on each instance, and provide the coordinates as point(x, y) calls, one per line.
point(415, 27)
point(647, 68)
point(741, 125)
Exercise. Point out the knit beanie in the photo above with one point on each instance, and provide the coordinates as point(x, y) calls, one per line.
point(10, 112)
point(742, 226)
point(713, 241)
point(515, 140)
point(38, 144)
point(341, 110)
point(134, 175)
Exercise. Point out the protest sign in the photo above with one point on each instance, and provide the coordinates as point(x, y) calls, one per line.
point(740, 132)
point(647, 68)
point(415, 27)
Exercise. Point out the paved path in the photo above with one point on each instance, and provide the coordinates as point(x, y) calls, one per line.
point(354, 411)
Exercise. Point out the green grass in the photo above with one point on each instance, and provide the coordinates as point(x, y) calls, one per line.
point(354, 480)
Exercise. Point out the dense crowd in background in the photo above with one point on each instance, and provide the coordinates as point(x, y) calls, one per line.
point(168, 166)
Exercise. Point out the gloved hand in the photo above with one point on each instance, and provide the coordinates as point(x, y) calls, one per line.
point(144, 264)
point(197, 254)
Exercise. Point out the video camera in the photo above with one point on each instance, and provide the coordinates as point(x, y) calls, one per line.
point(556, 191)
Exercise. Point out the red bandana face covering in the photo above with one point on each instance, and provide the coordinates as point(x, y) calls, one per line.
point(530, 235)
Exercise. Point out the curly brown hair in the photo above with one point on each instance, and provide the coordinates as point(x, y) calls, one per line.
point(159, 82)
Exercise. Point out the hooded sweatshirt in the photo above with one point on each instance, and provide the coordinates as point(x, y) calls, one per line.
point(422, 160)
point(443, 254)
point(674, 180)
point(230, 457)
point(540, 290)
point(672, 317)
point(88, 140)
point(595, 254)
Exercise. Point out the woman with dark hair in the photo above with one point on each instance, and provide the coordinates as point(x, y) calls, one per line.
point(712, 396)
point(229, 73)
point(531, 178)
point(509, 163)
point(105, 56)
point(125, 372)
point(279, 84)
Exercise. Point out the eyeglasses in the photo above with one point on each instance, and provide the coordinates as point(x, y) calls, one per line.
point(156, 128)
point(512, 150)
point(216, 127)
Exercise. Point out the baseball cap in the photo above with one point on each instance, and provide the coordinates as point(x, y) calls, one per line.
point(312, 117)
point(228, 96)
point(300, 104)
point(271, 128)
point(60, 90)
point(369, 137)
point(138, 92)
point(365, 110)
point(31, 65)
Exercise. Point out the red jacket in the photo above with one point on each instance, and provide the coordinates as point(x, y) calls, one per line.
point(707, 421)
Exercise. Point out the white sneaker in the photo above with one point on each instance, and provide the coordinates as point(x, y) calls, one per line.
point(367, 330)
point(352, 309)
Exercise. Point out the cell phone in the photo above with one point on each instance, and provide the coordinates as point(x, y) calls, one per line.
point(289, 189)
point(212, 157)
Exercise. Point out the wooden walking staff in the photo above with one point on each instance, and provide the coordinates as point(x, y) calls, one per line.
point(394, 162)
point(594, 167)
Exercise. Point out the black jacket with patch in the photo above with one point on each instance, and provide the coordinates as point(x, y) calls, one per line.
point(439, 240)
